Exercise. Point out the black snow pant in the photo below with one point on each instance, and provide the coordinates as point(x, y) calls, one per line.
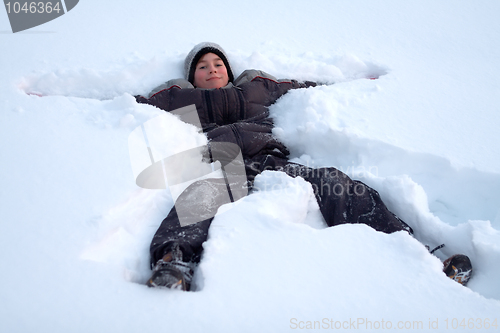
point(341, 200)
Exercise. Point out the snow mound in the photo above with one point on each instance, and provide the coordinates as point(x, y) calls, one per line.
point(76, 228)
point(141, 76)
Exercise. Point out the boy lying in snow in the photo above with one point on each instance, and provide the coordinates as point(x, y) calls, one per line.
point(236, 111)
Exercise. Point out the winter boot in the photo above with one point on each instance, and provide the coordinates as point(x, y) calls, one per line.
point(459, 268)
point(171, 272)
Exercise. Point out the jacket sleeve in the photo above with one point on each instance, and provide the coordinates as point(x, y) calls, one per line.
point(263, 89)
point(177, 83)
point(159, 96)
point(176, 94)
point(251, 74)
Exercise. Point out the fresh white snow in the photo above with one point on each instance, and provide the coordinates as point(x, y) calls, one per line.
point(75, 228)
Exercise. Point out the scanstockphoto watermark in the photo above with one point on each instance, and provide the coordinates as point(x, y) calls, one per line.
point(353, 171)
point(430, 324)
point(325, 181)
point(324, 187)
point(354, 324)
point(25, 15)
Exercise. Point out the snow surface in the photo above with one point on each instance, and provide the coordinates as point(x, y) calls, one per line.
point(75, 229)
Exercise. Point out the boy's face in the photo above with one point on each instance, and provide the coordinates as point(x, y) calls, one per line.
point(210, 72)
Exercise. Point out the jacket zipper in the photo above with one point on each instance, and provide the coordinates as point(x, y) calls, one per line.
point(211, 117)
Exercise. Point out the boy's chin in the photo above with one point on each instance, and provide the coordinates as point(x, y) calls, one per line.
point(212, 86)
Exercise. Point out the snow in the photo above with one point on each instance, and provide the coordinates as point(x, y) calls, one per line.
point(76, 228)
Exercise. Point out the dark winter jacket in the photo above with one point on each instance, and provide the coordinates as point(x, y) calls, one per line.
point(237, 113)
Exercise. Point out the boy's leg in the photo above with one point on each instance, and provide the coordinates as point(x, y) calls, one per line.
point(198, 204)
point(343, 200)
point(189, 238)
